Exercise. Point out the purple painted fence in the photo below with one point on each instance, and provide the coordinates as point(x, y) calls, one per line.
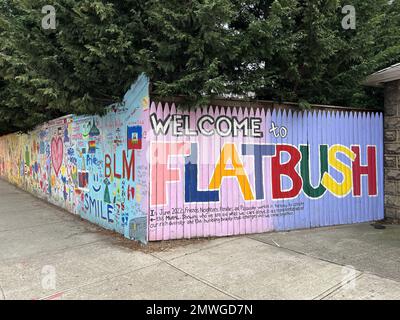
point(220, 171)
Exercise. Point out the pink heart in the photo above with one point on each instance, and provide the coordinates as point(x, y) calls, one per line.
point(57, 150)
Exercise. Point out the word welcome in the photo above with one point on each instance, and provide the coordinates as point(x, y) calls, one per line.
point(224, 126)
point(231, 165)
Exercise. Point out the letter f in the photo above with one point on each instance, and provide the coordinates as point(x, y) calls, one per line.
point(160, 171)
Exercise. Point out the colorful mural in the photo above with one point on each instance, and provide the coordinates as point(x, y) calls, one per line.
point(153, 171)
point(226, 171)
point(90, 165)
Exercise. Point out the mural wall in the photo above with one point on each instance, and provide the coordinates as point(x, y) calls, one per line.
point(151, 171)
point(227, 171)
point(90, 165)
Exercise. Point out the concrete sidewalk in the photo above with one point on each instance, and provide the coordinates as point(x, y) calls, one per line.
point(38, 241)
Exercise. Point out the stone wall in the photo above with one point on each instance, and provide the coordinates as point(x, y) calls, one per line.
point(392, 150)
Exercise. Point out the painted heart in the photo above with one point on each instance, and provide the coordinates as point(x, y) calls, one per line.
point(57, 150)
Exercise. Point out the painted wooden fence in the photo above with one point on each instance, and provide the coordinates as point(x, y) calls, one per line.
point(228, 171)
point(95, 167)
point(154, 171)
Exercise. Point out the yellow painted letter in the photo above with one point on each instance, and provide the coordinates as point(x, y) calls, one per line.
point(343, 188)
point(229, 154)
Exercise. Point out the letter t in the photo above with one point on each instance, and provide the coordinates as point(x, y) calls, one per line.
point(258, 151)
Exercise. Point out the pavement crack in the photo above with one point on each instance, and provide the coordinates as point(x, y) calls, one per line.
point(207, 283)
point(202, 249)
point(99, 280)
point(33, 226)
point(336, 287)
point(295, 251)
point(322, 259)
point(51, 252)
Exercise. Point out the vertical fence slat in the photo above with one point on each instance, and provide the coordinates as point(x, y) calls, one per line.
point(380, 166)
point(267, 173)
point(348, 129)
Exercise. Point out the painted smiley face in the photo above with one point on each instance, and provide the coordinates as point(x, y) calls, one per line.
point(96, 186)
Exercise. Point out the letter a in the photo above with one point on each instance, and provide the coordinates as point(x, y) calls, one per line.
point(230, 154)
point(49, 20)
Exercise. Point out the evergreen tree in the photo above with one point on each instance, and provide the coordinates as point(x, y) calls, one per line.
point(287, 50)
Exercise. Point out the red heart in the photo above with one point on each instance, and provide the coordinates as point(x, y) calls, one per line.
point(57, 150)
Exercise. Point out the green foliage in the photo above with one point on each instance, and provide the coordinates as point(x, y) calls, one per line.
point(84, 65)
point(286, 50)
